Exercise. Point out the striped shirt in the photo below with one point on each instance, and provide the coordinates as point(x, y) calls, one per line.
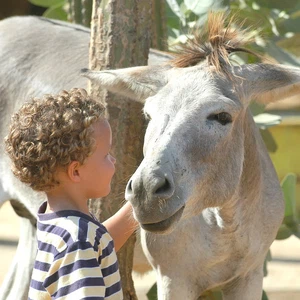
point(76, 259)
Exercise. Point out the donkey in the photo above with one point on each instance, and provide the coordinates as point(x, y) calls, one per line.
point(37, 56)
point(206, 194)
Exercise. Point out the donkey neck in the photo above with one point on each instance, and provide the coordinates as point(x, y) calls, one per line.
point(245, 203)
point(251, 180)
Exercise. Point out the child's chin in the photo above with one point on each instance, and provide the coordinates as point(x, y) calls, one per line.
point(104, 193)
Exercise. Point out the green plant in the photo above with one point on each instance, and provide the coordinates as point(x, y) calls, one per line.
point(75, 11)
point(275, 24)
point(291, 222)
point(55, 8)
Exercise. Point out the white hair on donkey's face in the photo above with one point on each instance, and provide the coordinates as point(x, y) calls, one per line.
point(184, 133)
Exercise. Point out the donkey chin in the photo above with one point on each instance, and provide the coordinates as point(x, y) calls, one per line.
point(165, 226)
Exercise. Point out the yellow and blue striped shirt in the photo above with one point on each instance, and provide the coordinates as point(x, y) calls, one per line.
point(76, 259)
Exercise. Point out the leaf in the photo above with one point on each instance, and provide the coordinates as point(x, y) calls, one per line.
point(279, 4)
point(56, 12)
point(292, 24)
point(212, 295)
point(217, 295)
point(273, 26)
point(181, 39)
point(152, 293)
point(173, 22)
point(281, 55)
point(268, 258)
point(269, 140)
point(291, 44)
point(263, 121)
point(256, 108)
point(295, 229)
point(297, 232)
point(264, 296)
point(291, 222)
point(46, 3)
point(203, 6)
point(283, 232)
point(288, 186)
point(176, 10)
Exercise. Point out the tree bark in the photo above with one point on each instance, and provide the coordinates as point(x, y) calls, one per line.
point(80, 11)
point(120, 37)
point(13, 7)
point(159, 26)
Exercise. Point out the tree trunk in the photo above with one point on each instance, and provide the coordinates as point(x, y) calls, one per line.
point(13, 7)
point(80, 11)
point(159, 26)
point(120, 37)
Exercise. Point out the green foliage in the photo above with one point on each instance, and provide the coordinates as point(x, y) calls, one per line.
point(56, 12)
point(46, 3)
point(275, 24)
point(75, 11)
point(213, 295)
point(184, 15)
point(264, 296)
point(264, 121)
point(152, 293)
point(291, 221)
point(55, 8)
point(268, 258)
point(272, 26)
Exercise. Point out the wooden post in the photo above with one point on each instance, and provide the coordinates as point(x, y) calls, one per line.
point(120, 37)
point(159, 26)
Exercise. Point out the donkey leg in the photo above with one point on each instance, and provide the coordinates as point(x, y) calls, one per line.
point(246, 288)
point(16, 283)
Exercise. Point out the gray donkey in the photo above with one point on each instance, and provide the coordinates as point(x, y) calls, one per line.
point(206, 194)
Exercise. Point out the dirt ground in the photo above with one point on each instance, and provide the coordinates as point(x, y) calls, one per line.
point(282, 283)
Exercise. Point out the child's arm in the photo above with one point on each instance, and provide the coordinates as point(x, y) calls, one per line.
point(121, 225)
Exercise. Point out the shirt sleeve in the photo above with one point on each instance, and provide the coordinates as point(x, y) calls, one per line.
point(76, 274)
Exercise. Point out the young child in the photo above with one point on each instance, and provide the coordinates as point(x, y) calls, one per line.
point(60, 145)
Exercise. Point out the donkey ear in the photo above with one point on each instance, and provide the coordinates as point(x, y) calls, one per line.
point(137, 83)
point(267, 83)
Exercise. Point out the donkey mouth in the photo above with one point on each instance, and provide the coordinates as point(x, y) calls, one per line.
point(165, 225)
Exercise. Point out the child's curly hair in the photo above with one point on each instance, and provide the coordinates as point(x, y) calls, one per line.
point(49, 133)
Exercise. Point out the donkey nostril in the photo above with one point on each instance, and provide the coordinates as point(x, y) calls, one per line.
point(164, 187)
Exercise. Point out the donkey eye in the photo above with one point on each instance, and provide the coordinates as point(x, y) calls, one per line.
point(223, 118)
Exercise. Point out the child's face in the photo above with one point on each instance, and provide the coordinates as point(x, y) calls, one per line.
point(99, 168)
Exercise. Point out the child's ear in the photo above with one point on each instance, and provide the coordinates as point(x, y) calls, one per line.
point(73, 171)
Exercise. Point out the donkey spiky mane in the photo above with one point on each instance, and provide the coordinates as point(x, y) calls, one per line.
point(215, 42)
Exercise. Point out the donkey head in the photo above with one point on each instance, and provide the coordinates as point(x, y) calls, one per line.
point(194, 149)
